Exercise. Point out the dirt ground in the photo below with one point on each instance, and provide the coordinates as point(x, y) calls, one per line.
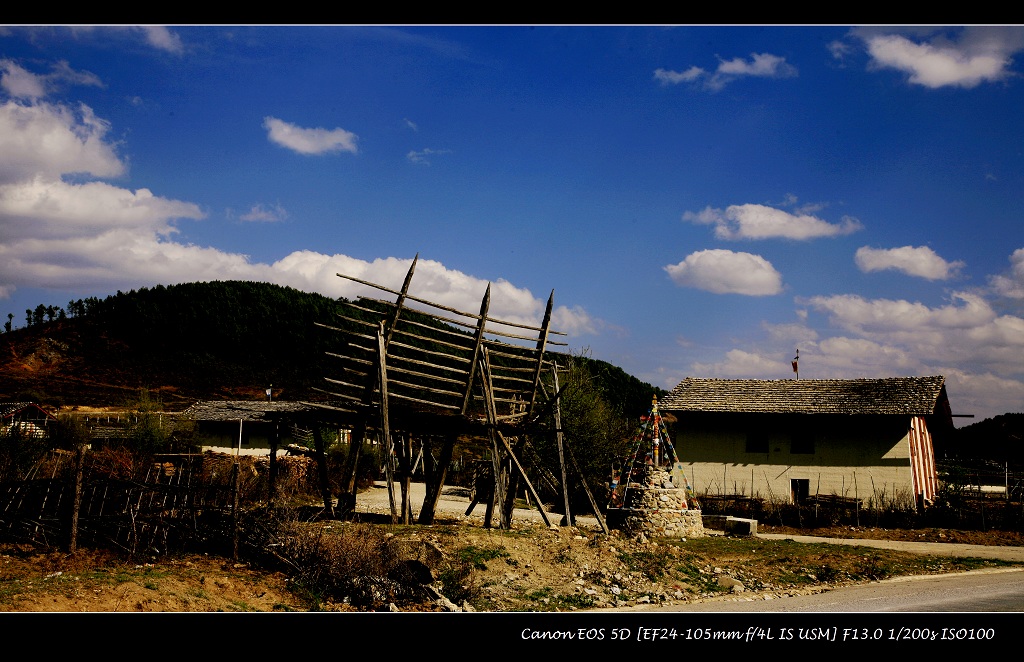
point(530, 567)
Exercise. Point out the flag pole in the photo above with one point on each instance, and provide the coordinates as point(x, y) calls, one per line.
point(796, 364)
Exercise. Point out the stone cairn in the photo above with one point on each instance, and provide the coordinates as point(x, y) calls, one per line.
point(655, 507)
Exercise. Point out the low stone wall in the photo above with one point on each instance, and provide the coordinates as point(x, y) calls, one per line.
point(655, 507)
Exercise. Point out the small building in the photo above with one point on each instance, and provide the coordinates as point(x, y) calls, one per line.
point(788, 440)
point(245, 427)
point(27, 418)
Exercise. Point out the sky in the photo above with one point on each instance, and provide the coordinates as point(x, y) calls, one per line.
point(704, 201)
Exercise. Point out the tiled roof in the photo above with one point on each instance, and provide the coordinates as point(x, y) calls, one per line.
point(892, 395)
point(246, 410)
point(11, 408)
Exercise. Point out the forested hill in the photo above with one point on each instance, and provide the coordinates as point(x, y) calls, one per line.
point(223, 339)
point(999, 439)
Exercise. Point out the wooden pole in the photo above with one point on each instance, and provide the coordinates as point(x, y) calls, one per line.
point(76, 503)
point(485, 374)
point(321, 465)
point(541, 346)
point(568, 519)
point(275, 440)
point(435, 479)
point(477, 345)
point(234, 509)
point(385, 427)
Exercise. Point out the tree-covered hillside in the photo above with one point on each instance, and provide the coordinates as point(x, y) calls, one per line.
point(197, 339)
point(222, 339)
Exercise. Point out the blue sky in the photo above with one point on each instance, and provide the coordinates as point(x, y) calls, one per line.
point(703, 200)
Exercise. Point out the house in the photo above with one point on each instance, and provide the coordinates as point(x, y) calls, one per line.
point(866, 439)
point(244, 427)
point(27, 417)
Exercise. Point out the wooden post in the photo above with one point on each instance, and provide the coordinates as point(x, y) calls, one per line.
point(76, 502)
point(234, 509)
point(541, 345)
point(275, 440)
point(435, 482)
point(407, 480)
point(568, 519)
point(347, 498)
point(477, 345)
point(385, 427)
point(492, 419)
point(321, 465)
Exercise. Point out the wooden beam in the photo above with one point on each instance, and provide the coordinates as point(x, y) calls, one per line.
point(541, 346)
point(385, 426)
point(569, 519)
point(485, 305)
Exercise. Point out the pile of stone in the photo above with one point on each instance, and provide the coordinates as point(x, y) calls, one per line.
point(655, 507)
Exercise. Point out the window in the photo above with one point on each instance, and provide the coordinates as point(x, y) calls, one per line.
point(757, 441)
point(802, 443)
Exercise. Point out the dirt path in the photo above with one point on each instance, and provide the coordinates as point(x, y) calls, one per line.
point(454, 502)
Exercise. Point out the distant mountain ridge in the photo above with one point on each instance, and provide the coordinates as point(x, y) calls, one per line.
point(212, 340)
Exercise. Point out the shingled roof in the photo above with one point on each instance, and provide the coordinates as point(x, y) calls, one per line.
point(246, 410)
point(891, 395)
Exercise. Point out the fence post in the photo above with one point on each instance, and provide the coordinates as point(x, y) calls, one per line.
point(76, 502)
point(234, 510)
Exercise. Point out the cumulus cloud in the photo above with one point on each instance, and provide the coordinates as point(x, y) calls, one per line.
point(309, 141)
point(963, 58)
point(897, 316)
point(753, 221)
point(761, 65)
point(912, 260)
point(93, 235)
point(1011, 284)
point(47, 140)
point(317, 272)
point(966, 332)
point(727, 272)
point(741, 364)
point(265, 213)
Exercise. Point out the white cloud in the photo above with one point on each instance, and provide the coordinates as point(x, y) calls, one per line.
point(52, 140)
point(93, 235)
point(972, 56)
point(420, 157)
point(742, 364)
point(265, 213)
point(1011, 284)
point(23, 84)
point(753, 221)
point(312, 271)
point(20, 83)
point(761, 65)
point(966, 332)
point(163, 39)
point(309, 141)
point(669, 77)
point(912, 260)
point(53, 209)
point(727, 272)
point(888, 316)
point(794, 334)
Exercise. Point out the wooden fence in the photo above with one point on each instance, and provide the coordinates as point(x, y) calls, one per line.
point(176, 503)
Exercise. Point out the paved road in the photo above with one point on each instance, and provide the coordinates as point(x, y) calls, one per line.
point(1002, 553)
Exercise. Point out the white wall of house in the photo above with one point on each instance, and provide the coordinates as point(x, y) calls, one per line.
point(868, 459)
